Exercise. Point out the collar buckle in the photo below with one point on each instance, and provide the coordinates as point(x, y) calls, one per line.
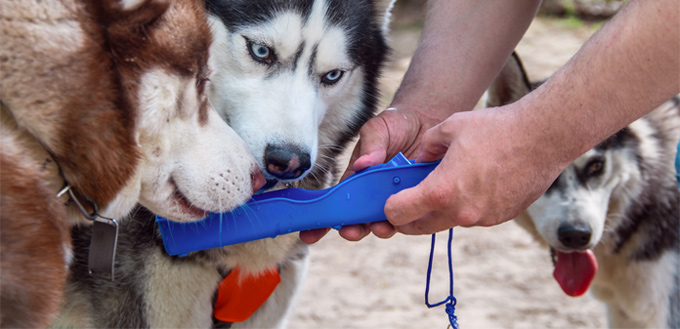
point(90, 216)
point(102, 254)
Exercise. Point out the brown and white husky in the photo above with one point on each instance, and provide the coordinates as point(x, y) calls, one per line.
point(109, 98)
point(296, 80)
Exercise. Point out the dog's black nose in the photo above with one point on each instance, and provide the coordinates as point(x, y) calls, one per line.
point(574, 236)
point(286, 161)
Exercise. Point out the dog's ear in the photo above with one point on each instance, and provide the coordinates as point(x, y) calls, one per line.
point(383, 9)
point(126, 14)
point(510, 85)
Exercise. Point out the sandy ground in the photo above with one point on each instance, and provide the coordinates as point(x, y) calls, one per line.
point(503, 279)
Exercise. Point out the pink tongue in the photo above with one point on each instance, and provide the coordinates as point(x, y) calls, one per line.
point(574, 271)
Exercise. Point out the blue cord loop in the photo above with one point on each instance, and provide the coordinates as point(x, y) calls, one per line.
point(451, 310)
point(450, 300)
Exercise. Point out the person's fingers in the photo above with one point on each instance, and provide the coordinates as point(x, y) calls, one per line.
point(383, 230)
point(373, 144)
point(354, 232)
point(422, 226)
point(373, 158)
point(312, 236)
point(435, 143)
point(408, 205)
point(411, 204)
point(371, 149)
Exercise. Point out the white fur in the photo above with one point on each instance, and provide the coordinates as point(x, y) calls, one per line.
point(68, 254)
point(387, 18)
point(209, 163)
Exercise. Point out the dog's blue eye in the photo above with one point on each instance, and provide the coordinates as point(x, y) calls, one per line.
point(260, 52)
point(332, 77)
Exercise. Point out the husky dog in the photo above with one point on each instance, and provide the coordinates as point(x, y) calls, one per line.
point(617, 205)
point(296, 80)
point(107, 97)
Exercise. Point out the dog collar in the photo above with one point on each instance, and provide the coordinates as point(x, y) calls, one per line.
point(238, 296)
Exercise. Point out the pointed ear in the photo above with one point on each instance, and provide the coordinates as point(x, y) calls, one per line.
point(510, 85)
point(383, 9)
point(133, 12)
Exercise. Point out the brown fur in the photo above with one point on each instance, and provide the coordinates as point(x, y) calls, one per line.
point(84, 91)
point(73, 92)
point(68, 94)
point(33, 232)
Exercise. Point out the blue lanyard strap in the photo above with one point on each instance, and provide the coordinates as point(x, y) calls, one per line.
point(450, 300)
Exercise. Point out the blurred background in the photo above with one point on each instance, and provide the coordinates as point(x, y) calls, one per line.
point(503, 279)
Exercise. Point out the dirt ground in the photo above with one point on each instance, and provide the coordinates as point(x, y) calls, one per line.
point(503, 279)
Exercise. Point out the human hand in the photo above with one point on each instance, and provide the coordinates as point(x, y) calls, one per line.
point(491, 170)
point(390, 132)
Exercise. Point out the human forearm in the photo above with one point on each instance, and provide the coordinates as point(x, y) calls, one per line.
point(464, 45)
point(628, 68)
point(497, 161)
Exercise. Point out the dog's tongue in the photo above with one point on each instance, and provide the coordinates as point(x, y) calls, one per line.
point(574, 271)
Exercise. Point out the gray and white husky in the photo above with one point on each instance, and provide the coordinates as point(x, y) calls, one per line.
point(296, 79)
point(616, 207)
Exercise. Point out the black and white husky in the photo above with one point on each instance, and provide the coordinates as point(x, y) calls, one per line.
point(616, 207)
point(296, 79)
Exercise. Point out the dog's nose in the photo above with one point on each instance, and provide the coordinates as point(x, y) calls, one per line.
point(574, 236)
point(257, 179)
point(286, 162)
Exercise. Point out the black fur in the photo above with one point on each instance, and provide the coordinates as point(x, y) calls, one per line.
point(236, 13)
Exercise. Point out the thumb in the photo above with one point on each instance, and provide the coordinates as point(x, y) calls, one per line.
point(373, 143)
point(363, 157)
point(434, 144)
point(408, 205)
point(371, 149)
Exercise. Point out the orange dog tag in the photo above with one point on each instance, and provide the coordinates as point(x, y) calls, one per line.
point(238, 298)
